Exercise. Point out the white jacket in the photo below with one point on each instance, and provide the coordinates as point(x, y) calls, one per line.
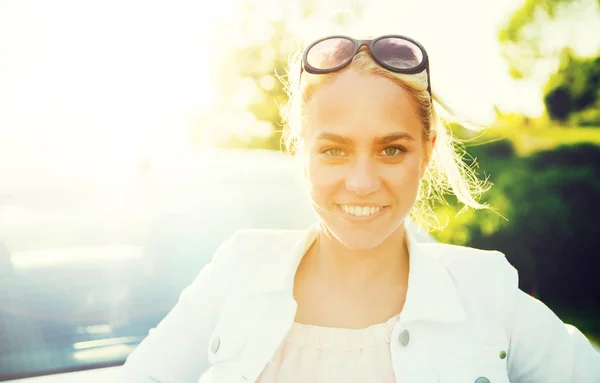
point(463, 312)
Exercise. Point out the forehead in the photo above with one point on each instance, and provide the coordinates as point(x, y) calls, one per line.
point(362, 106)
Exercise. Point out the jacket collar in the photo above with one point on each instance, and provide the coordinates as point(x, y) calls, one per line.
point(431, 293)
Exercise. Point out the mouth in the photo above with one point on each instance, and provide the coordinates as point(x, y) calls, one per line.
point(362, 210)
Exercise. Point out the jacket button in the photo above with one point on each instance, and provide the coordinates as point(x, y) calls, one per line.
point(404, 338)
point(482, 380)
point(214, 344)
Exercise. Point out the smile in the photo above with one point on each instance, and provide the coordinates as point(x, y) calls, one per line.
point(361, 211)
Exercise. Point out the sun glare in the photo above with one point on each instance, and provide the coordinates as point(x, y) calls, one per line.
point(88, 84)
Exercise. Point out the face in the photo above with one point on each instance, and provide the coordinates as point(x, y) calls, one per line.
point(365, 156)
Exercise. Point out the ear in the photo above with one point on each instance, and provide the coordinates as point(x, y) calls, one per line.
point(427, 154)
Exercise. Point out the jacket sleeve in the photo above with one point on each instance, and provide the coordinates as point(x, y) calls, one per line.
point(544, 349)
point(176, 351)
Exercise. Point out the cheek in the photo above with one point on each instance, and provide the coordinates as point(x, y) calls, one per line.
point(321, 178)
point(403, 178)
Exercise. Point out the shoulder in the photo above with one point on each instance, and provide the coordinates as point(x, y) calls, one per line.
point(485, 281)
point(260, 245)
point(250, 249)
point(251, 260)
point(266, 238)
point(476, 264)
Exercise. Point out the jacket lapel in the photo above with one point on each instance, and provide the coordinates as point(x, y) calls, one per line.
point(432, 294)
point(279, 262)
point(269, 299)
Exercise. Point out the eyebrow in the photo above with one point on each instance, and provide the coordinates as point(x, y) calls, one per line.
point(378, 140)
point(393, 137)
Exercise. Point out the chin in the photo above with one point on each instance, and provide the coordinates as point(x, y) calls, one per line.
point(361, 236)
point(362, 241)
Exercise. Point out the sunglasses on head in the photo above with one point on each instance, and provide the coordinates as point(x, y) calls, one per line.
point(398, 54)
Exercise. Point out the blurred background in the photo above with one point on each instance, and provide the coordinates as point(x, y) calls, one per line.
point(135, 136)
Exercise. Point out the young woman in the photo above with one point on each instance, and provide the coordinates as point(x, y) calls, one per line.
point(355, 298)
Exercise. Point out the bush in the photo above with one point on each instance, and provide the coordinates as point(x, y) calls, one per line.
point(552, 230)
point(551, 201)
point(559, 103)
point(587, 118)
point(570, 157)
point(493, 150)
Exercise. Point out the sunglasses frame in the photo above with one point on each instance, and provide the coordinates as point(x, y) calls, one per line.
point(423, 65)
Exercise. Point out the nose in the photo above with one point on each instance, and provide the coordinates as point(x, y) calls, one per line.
point(363, 178)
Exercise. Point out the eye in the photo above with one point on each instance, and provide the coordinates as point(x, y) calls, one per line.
point(391, 151)
point(334, 152)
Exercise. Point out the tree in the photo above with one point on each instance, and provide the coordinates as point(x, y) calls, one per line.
point(574, 88)
point(531, 35)
point(263, 64)
point(542, 33)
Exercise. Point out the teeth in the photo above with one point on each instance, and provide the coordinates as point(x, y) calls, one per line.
point(360, 211)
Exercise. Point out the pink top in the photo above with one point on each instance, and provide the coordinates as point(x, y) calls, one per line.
point(327, 355)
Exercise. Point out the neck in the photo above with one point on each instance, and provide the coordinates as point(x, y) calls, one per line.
point(344, 267)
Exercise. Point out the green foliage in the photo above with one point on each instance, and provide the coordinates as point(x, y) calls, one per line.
point(522, 39)
point(249, 73)
point(575, 87)
point(587, 118)
point(498, 149)
point(532, 11)
point(559, 103)
point(262, 62)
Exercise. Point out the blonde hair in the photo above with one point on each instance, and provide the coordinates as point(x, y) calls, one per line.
point(446, 173)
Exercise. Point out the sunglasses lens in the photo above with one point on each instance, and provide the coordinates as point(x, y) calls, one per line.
point(398, 53)
point(330, 53)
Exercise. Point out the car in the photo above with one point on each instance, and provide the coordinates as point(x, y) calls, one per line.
point(91, 285)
